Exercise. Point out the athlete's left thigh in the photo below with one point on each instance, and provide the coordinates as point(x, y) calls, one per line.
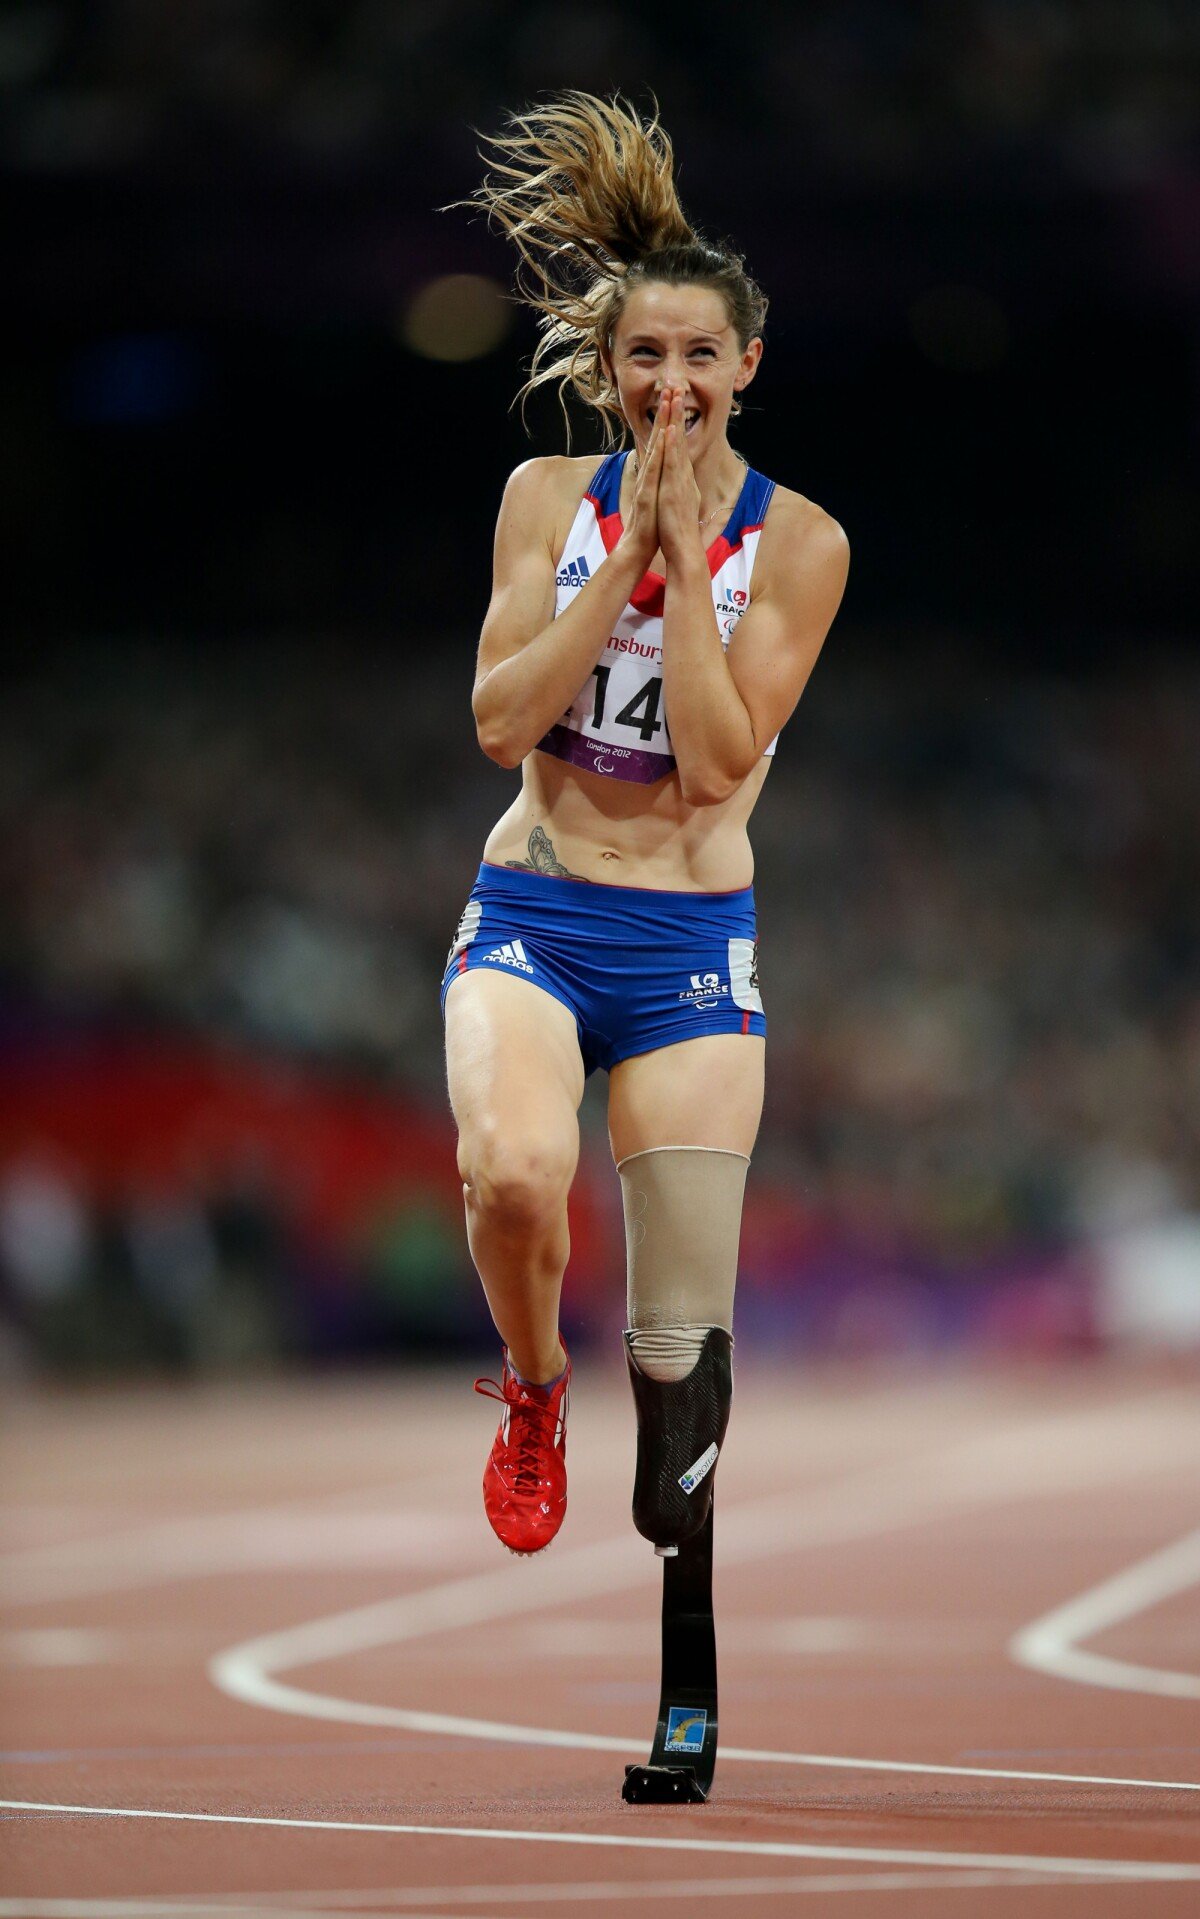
point(700, 1092)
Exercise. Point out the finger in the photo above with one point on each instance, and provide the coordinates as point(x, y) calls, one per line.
point(658, 426)
point(645, 453)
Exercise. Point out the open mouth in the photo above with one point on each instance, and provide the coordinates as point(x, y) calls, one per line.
point(691, 417)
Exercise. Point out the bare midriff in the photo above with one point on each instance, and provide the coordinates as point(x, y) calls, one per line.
point(619, 833)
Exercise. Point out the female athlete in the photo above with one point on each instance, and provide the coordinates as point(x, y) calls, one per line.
point(653, 622)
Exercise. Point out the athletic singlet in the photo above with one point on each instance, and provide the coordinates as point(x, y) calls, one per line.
point(617, 724)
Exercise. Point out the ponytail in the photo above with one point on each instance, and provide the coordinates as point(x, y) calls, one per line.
point(585, 190)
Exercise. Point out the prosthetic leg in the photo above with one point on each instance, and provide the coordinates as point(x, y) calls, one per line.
point(680, 1430)
point(683, 1216)
point(684, 1754)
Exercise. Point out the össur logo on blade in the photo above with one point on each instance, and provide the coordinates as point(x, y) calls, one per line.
point(685, 1728)
point(699, 1469)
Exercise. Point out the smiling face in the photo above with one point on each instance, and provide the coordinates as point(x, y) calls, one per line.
point(680, 336)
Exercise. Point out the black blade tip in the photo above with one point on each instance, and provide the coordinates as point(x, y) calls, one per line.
point(662, 1786)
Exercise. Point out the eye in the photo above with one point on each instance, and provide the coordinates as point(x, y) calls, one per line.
point(704, 353)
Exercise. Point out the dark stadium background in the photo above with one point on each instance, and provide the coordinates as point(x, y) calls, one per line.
point(248, 510)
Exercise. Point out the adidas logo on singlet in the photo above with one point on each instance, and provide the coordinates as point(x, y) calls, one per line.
point(512, 953)
point(574, 573)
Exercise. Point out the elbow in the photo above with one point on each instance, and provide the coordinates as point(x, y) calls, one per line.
point(495, 736)
point(498, 747)
point(708, 789)
point(710, 782)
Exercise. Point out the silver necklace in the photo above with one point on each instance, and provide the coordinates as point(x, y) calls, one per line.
point(725, 507)
point(717, 509)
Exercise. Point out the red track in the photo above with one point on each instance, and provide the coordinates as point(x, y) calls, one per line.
point(880, 1540)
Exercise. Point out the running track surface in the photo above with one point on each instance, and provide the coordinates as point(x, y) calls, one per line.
point(260, 1654)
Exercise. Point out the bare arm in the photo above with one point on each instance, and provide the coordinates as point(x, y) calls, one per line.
point(531, 665)
point(726, 706)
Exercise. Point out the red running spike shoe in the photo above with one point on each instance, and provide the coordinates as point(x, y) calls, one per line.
point(525, 1479)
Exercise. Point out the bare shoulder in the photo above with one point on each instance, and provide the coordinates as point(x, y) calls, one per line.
point(547, 490)
point(798, 535)
point(551, 476)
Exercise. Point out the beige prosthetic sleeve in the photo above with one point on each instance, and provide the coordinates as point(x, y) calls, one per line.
point(683, 1221)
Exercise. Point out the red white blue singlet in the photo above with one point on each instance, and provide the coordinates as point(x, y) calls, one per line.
point(617, 724)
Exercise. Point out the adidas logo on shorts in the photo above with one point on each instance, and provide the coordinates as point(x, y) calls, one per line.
point(512, 953)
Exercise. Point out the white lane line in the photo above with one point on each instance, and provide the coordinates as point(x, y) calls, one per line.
point(761, 1756)
point(325, 1905)
point(1066, 1867)
point(439, 1724)
point(871, 1503)
point(1051, 1645)
point(612, 1891)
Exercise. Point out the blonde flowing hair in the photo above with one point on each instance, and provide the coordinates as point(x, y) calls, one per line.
point(585, 190)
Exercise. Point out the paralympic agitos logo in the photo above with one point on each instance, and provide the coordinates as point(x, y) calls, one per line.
point(705, 990)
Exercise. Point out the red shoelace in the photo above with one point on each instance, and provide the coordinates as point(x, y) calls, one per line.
point(524, 1433)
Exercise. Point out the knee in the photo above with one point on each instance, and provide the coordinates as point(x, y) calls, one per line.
point(518, 1182)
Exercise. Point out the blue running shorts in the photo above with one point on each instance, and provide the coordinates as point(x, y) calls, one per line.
point(639, 968)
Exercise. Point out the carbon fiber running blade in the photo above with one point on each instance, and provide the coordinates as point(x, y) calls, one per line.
point(684, 1755)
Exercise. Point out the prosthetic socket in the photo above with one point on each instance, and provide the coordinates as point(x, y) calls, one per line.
point(683, 1209)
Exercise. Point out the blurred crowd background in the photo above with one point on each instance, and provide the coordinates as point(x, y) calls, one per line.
point(255, 425)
